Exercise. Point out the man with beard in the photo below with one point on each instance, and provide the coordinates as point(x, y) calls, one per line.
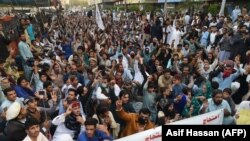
point(57, 75)
point(11, 97)
point(16, 117)
point(33, 131)
point(187, 77)
point(73, 71)
point(5, 83)
point(226, 73)
point(131, 119)
point(71, 97)
point(165, 79)
point(71, 122)
point(26, 55)
point(217, 102)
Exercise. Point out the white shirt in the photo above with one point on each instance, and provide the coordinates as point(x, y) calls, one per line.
point(40, 137)
point(187, 19)
point(71, 86)
point(61, 128)
point(6, 103)
point(138, 75)
point(212, 37)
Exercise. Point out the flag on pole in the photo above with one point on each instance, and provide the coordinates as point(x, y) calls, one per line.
point(99, 18)
point(223, 4)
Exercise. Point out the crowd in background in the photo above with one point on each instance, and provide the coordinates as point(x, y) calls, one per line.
point(74, 81)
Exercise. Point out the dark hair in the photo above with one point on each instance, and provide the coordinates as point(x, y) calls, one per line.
point(185, 90)
point(5, 91)
point(217, 91)
point(122, 93)
point(228, 90)
point(151, 85)
point(20, 79)
point(46, 84)
point(30, 122)
point(43, 73)
point(177, 77)
point(101, 109)
point(167, 70)
point(22, 33)
point(215, 85)
point(91, 121)
point(161, 121)
point(145, 111)
point(73, 77)
point(142, 121)
point(72, 90)
point(79, 90)
point(179, 45)
point(105, 77)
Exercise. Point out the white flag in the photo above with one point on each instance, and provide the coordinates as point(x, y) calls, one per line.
point(99, 18)
point(223, 4)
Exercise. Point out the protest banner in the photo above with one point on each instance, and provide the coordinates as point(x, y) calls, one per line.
point(211, 118)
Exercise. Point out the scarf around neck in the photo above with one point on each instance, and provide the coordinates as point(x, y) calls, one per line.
point(72, 124)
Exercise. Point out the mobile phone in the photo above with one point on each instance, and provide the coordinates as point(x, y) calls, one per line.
point(41, 92)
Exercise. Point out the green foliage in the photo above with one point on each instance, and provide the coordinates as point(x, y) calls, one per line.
point(133, 8)
point(158, 9)
point(214, 8)
point(119, 7)
point(148, 7)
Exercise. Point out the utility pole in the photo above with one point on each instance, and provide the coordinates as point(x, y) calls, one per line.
point(126, 6)
point(165, 9)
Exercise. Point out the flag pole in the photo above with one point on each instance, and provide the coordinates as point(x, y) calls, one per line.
point(165, 9)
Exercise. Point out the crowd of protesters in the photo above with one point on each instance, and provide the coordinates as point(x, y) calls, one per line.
point(74, 81)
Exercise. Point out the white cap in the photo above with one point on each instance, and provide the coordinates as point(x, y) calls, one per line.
point(161, 114)
point(13, 111)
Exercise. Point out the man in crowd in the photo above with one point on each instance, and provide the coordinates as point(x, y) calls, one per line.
point(92, 133)
point(33, 131)
point(131, 119)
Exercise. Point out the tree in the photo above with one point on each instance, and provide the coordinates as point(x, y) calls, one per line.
point(214, 8)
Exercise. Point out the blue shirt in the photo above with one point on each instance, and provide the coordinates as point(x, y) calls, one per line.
point(177, 89)
point(30, 32)
point(67, 49)
point(224, 105)
point(226, 82)
point(99, 136)
point(23, 92)
point(204, 38)
point(24, 50)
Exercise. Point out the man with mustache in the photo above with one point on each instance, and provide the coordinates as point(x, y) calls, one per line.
point(33, 131)
point(215, 103)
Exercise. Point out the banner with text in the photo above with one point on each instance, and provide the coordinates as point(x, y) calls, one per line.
point(148, 135)
point(211, 118)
